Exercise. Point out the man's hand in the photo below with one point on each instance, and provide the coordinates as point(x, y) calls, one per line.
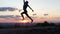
point(32, 10)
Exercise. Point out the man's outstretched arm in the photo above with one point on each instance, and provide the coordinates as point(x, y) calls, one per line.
point(24, 1)
point(30, 8)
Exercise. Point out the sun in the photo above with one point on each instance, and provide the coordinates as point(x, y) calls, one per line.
point(24, 21)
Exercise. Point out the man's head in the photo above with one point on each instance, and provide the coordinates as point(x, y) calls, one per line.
point(26, 1)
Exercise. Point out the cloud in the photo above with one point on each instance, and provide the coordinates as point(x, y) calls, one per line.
point(45, 14)
point(7, 8)
point(10, 17)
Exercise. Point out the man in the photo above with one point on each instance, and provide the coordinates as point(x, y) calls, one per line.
point(25, 10)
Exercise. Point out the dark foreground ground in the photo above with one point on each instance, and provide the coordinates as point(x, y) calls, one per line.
point(33, 30)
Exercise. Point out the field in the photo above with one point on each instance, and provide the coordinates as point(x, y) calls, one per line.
point(39, 28)
point(33, 30)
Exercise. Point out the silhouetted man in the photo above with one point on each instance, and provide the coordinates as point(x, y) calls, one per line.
point(25, 10)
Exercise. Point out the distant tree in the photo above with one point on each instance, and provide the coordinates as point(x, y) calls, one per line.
point(45, 23)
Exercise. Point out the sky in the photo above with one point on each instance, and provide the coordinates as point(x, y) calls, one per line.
point(48, 10)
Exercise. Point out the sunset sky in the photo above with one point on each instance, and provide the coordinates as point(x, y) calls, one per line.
point(44, 9)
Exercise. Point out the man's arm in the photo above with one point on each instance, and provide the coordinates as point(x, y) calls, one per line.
point(30, 8)
point(24, 1)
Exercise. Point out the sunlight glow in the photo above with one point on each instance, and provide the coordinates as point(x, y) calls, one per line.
point(24, 21)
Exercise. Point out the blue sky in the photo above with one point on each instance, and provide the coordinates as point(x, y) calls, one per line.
point(41, 7)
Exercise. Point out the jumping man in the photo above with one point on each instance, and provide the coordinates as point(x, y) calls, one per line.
point(25, 10)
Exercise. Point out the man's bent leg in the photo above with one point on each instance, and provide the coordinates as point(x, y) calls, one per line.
point(29, 18)
point(22, 15)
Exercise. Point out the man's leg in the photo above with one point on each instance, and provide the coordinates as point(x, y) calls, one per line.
point(29, 17)
point(22, 15)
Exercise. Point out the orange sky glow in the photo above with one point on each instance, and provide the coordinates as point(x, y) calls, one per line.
point(36, 20)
